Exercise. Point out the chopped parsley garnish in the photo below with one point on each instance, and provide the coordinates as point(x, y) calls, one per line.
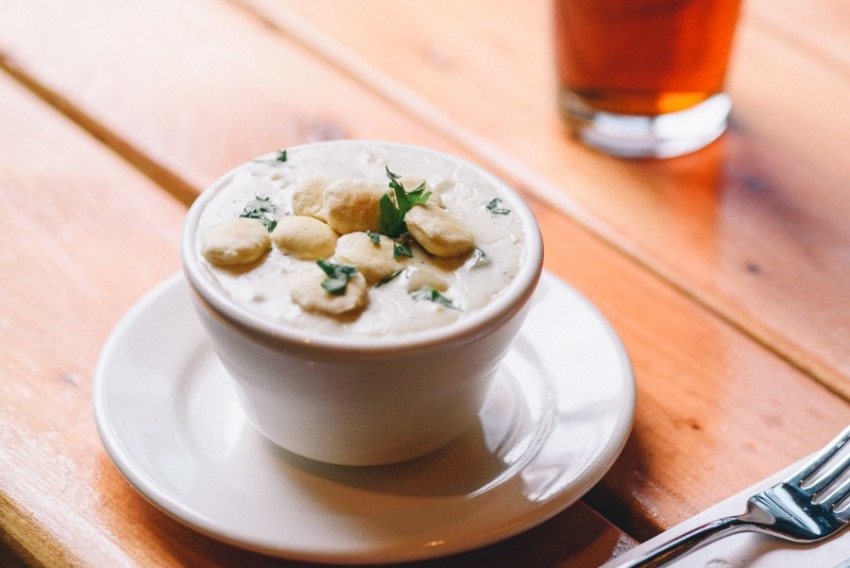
point(402, 248)
point(479, 258)
point(386, 279)
point(495, 207)
point(281, 156)
point(261, 208)
point(392, 214)
point(392, 222)
point(374, 237)
point(338, 275)
point(426, 293)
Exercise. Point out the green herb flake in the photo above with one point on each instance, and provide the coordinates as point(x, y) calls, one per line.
point(257, 207)
point(386, 279)
point(338, 275)
point(402, 248)
point(392, 214)
point(281, 156)
point(426, 293)
point(261, 209)
point(374, 237)
point(419, 196)
point(391, 219)
point(393, 177)
point(495, 207)
point(479, 258)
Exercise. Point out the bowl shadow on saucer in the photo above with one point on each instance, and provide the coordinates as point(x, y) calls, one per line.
point(463, 467)
point(488, 454)
point(492, 452)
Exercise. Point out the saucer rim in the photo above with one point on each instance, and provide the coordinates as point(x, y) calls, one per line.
point(589, 476)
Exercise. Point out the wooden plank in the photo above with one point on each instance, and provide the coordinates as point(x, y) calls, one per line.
point(821, 32)
point(705, 391)
point(714, 411)
point(141, 56)
point(84, 235)
point(753, 227)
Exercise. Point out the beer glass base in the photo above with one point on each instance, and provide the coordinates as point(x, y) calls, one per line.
point(639, 136)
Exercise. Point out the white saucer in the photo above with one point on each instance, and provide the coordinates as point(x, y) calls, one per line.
point(556, 419)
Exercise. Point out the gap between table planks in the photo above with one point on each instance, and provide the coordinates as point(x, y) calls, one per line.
point(85, 235)
point(701, 383)
point(740, 227)
point(791, 263)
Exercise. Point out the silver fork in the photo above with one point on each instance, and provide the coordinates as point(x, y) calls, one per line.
point(804, 508)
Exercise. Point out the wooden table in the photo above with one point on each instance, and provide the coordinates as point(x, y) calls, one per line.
point(726, 272)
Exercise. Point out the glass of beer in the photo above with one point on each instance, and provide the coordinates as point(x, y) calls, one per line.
point(644, 78)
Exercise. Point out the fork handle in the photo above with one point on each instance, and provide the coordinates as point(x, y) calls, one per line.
point(690, 541)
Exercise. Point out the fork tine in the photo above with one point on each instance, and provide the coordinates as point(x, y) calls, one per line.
point(832, 473)
point(819, 460)
point(839, 495)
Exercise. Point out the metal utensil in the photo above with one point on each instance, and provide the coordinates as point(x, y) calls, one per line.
point(805, 508)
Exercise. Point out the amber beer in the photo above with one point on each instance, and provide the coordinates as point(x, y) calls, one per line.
point(642, 57)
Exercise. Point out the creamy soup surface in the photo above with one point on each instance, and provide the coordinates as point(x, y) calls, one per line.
point(424, 291)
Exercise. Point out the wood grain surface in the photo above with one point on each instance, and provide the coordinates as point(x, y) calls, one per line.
point(742, 226)
point(79, 263)
point(691, 259)
point(83, 236)
point(821, 33)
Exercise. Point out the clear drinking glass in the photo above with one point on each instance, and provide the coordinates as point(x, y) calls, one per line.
point(644, 78)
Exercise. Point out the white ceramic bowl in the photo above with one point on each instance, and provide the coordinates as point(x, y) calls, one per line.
point(362, 400)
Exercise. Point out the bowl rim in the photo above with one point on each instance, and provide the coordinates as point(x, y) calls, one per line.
point(280, 333)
